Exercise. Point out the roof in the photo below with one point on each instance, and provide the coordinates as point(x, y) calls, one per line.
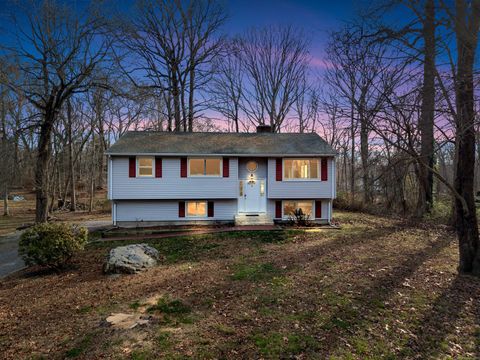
point(219, 143)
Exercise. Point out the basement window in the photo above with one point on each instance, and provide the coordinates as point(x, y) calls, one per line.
point(290, 206)
point(197, 208)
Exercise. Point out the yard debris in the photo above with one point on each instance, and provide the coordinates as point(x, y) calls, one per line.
point(131, 259)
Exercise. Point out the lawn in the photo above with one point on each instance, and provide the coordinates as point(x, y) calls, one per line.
point(376, 288)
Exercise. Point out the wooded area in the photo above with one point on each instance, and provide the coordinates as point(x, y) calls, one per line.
point(398, 102)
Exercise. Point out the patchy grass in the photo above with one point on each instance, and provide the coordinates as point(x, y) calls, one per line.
point(255, 272)
point(171, 307)
point(379, 288)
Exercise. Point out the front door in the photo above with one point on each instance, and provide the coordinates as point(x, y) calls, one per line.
point(252, 196)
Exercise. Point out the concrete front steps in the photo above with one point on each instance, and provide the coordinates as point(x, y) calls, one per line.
point(253, 219)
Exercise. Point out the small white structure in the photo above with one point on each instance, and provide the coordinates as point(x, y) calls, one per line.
point(177, 178)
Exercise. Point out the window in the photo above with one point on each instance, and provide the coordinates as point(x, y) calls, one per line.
point(205, 167)
point(197, 208)
point(290, 206)
point(300, 169)
point(145, 166)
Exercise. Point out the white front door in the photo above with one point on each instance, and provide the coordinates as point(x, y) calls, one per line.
point(252, 198)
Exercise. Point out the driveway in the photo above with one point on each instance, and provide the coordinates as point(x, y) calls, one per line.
point(10, 261)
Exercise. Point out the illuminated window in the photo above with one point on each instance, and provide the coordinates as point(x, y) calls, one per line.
point(197, 208)
point(290, 206)
point(145, 166)
point(262, 188)
point(300, 169)
point(205, 167)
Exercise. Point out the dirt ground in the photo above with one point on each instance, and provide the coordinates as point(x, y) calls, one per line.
point(23, 212)
point(376, 288)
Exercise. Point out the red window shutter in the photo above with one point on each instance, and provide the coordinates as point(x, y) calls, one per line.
point(210, 209)
point(181, 209)
point(318, 209)
point(132, 167)
point(226, 167)
point(183, 167)
point(278, 171)
point(324, 169)
point(278, 209)
point(158, 167)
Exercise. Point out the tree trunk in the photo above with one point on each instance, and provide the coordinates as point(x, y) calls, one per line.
point(41, 169)
point(466, 28)
point(6, 211)
point(364, 155)
point(71, 165)
point(176, 102)
point(191, 98)
point(425, 198)
point(352, 165)
point(92, 177)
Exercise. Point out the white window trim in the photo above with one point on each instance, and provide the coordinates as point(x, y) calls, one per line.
point(287, 217)
point(319, 164)
point(137, 159)
point(196, 216)
point(205, 176)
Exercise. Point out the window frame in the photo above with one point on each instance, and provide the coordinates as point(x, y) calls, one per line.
point(196, 216)
point(205, 167)
point(286, 216)
point(138, 166)
point(319, 170)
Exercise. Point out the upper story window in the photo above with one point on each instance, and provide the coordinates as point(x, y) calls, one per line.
point(145, 166)
point(205, 166)
point(301, 169)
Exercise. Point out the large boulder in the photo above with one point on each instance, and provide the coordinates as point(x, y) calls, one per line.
point(130, 259)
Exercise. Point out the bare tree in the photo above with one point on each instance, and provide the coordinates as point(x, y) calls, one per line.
point(226, 86)
point(466, 25)
point(275, 60)
point(56, 54)
point(171, 45)
point(360, 74)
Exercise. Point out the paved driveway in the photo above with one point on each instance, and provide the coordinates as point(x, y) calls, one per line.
point(9, 259)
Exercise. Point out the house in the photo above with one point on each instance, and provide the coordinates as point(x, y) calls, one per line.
point(159, 178)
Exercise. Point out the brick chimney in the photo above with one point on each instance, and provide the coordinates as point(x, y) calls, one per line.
point(264, 129)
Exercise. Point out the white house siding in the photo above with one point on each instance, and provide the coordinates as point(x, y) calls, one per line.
point(167, 210)
point(171, 185)
point(300, 189)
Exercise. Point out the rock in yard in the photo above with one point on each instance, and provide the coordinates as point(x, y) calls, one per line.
point(130, 259)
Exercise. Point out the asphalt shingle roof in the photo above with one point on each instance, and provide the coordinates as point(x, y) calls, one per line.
point(203, 143)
